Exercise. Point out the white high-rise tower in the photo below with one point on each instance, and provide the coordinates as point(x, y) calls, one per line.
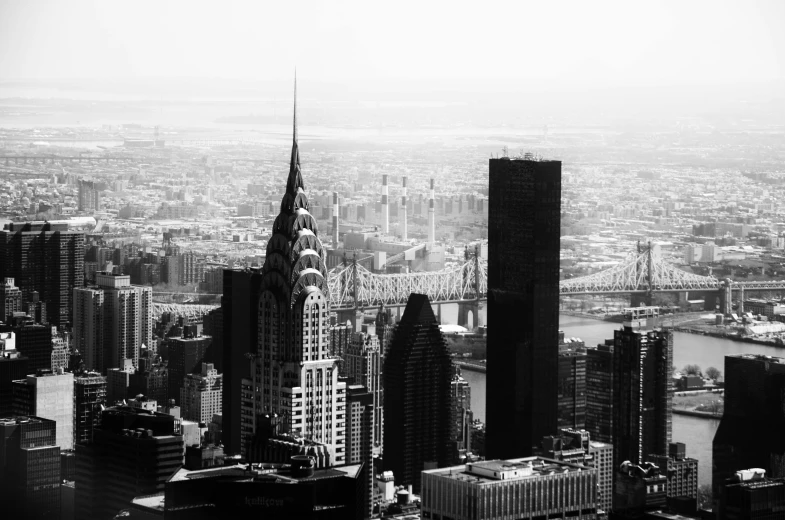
point(293, 373)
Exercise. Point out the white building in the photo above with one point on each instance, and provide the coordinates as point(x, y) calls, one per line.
point(532, 487)
point(200, 397)
point(50, 396)
point(112, 321)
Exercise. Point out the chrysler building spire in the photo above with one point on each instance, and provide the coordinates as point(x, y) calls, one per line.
point(295, 177)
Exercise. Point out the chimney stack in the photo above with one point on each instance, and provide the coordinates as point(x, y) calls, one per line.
point(385, 206)
point(405, 228)
point(431, 218)
point(335, 219)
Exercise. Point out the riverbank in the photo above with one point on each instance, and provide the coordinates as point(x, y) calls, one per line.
point(702, 415)
point(705, 330)
point(474, 366)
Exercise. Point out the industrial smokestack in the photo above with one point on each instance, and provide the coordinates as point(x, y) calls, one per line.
point(335, 219)
point(405, 228)
point(431, 218)
point(385, 206)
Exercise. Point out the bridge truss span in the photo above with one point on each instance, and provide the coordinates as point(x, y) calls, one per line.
point(353, 285)
point(640, 272)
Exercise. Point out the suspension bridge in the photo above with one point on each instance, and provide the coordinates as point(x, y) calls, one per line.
point(643, 272)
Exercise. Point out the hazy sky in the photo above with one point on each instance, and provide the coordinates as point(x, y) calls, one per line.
point(594, 43)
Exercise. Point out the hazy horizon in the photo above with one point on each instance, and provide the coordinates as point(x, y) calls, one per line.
point(497, 63)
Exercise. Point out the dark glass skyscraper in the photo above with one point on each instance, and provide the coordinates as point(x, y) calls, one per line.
point(419, 427)
point(44, 257)
point(133, 453)
point(599, 392)
point(29, 468)
point(185, 357)
point(523, 305)
point(240, 311)
point(752, 431)
point(642, 392)
point(572, 389)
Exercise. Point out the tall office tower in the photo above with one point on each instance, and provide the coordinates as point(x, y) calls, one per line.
point(112, 321)
point(10, 299)
point(213, 323)
point(523, 305)
point(385, 326)
point(33, 341)
point(89, 400)
point(385, 206)
point(201, 395)
point(572, 389)
point(336, 215)
point(460, 397)
point(340, 339)
point(404, 221)
point(682, 474)
point(294, 375)
point(360, 414)
point(359, 438)
point(642, 387)
point(13, 366)
point(134, 452)
point(754, 403)
point(186, 356)
point(240, 308)
point(118, 382)
point(531, 488)
point(190, 268)
point(44, 257)
point(89, 197)
point(29, 468)
point(363, 366)
point(50, 396)
point(599, 392)
point(431, 217)
point(417, 407)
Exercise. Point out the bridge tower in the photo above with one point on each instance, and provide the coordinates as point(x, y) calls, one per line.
point(726, 297)
point(473, 306)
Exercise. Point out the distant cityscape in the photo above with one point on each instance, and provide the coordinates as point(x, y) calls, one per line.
point(192, 329)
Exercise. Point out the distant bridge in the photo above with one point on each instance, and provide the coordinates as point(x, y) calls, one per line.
point(352, 286)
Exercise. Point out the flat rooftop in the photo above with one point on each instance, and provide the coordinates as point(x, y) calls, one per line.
point(512, 469)
point(28, 419)
point(259, 472)
point(759, 357)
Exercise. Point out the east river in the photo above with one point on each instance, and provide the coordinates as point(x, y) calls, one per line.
point(705, 351)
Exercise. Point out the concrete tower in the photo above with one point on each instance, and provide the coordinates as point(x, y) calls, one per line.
point(294, 375)
point(404, 225)
point(431, 218)
point(385, 206)
point(335, 219)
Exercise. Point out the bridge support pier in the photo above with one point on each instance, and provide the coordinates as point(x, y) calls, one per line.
point(465, 308)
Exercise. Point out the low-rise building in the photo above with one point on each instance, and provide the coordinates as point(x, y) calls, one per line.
point(530, 487)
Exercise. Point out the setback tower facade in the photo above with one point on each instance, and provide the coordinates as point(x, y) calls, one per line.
point(418, 414)
point(523, 305)
point(292, 372)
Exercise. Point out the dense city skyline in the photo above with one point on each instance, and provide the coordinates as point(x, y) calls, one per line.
point(424, 263)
